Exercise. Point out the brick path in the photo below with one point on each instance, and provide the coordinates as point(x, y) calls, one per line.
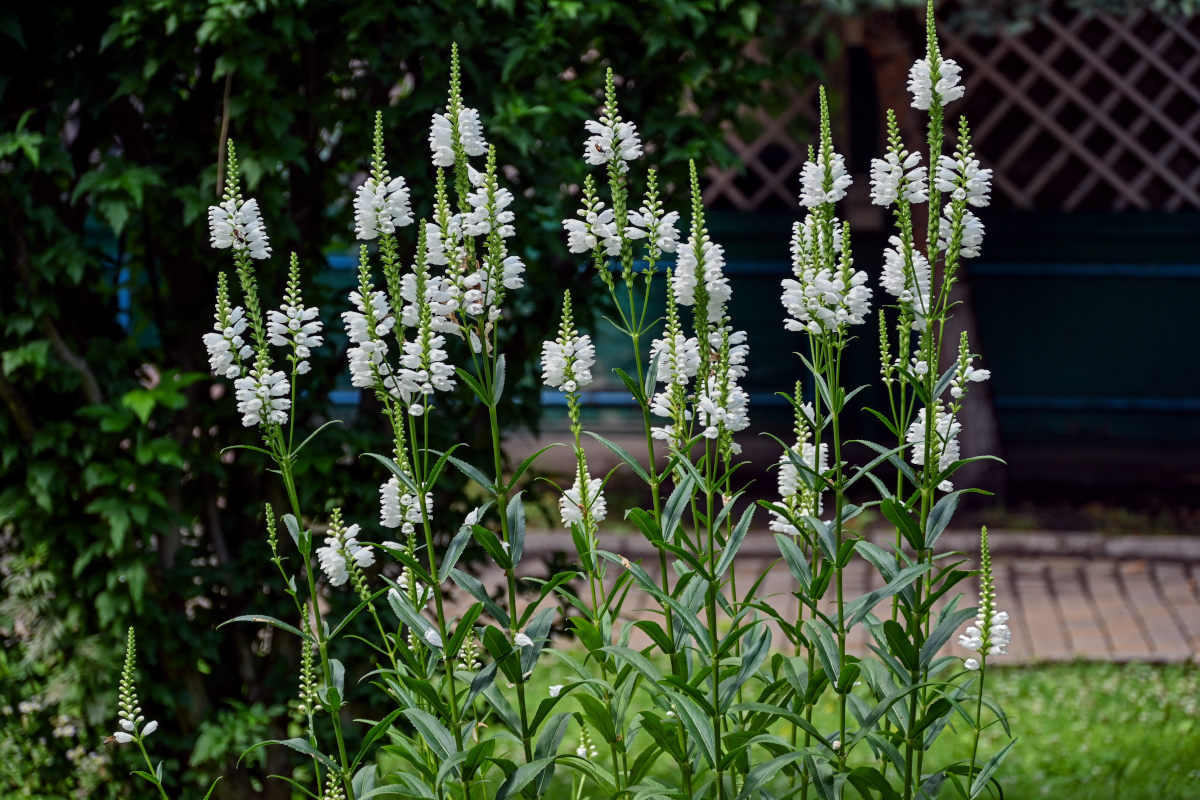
point(1070, 596)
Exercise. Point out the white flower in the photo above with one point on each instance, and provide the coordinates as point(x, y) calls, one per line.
point(962, 178)
point(660, 229)
point(794, 492)
point(381, 207)
point(580, 499)
point(971, 664)
point(298, 326)
point(678, 360)
point(896, 175)
point(567, 363)
point(341, 548)
point(240, 227)
point(556, 690)
point(817, 187)
point(909, 285)
point(332, 562)
point(400, 509)
point(722, 402)
point(122, 737)
point(819, 297)
point(433, 638)
point(521, 640)
point(226, 345)
point(611, 141)
point(470, 134)
point(972, 233)
point(262, 398)
point(920, 83)
point(442, 297)
point(150, 728)
point(706, 261)
point(488, 203)
point(944, 444)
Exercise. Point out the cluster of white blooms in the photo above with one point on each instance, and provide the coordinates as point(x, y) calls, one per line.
point(822, 298)
point(470, 135)
point(583, 498)
point(678, 358)
point(445, 245)
point(238, 226)
point(489, 204)
point(972, 233)
point(964, 376)
point(659, 229)
point(298, 326)
point(990, 635)
point(423, 369)
point(597, 229)
point(130, 718)
point(722, 403)
point(612, 141)
point(441, 297)
point(920, 82)
point(262, 397)
point(794, 492)
point(992, 629)
point(381, 206)
point(702, 260)
point(400, 509)
point(898, 175)
point(225, 345)
point(368, 351)
point(944, 445)
point(341, 548)
point(961, 177)
point(824, 181)
point(910, 284)
point(567, 361)
point(678, 361)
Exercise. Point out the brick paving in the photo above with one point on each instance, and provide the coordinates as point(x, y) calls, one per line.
point(1070, 596)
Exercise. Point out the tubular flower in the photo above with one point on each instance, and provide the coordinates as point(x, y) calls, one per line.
point(226, 347)
point(130, 718)
point(294, 324)
point(441, 297)
point(944, 445)
point(961, 177)
point(907, 282)
point(567, 361)
point(488, 208)
point(822, 298)
point(660, 229)
point(972, 233)
point(341, 549)
point(470, 135)
point(400, 509)
point(262, 397)
point(239, 226)
point(990, 635)
point(921, 84)
point(583, 500)
point(365, 327)
point(799, 495)
point(824, 181)
point(702, 260)
point(613, 141)
point(381, 206)
point(898, 175)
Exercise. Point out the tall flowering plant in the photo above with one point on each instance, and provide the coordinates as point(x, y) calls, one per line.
point(735, 695)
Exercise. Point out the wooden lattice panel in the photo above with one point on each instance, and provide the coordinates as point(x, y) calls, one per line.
point(1078, 112)
point(1087, 112)
point(771, 158)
